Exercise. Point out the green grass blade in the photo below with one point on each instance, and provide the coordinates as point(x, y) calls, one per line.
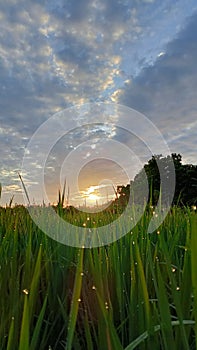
point(34, 284)
point(89, 342)
point(133, 345)
point(166, 326)
point(24, 334)
point(110, 331)
point(35, 338)
point(143, 285)
point(175, 293)
point(10, 344)
point(194, 266)
point(75, 301)
point(25, 190)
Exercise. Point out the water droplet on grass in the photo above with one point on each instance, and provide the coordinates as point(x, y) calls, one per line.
point(26, 291)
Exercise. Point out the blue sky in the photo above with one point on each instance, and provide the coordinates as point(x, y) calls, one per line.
point(58, 54)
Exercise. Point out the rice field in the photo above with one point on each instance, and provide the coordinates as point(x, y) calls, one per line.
point(139, 292)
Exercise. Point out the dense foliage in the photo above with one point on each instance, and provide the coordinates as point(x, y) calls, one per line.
point(136, 293)
point(186, 181)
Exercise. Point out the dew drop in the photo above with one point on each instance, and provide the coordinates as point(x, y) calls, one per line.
point(106, 305)
point(25, 291)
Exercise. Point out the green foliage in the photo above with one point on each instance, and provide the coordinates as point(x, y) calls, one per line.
point(186, 181)
point(75, 300)
point(136, 293)
point(193, 266)
point(24, 333)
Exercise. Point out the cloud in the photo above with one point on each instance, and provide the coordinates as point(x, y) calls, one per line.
point(166, 91)
point(57, 54)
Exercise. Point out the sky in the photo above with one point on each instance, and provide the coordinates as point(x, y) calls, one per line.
point(57, 54)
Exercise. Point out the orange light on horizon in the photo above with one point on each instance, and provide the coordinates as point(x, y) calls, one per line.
point(93, 197)
point(99, 194)
point(91, 194)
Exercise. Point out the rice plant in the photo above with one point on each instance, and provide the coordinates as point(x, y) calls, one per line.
point(139, 292)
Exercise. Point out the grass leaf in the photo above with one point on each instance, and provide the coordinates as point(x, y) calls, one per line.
point(24, 334)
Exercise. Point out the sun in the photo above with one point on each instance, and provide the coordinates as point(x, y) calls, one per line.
point(91, 194)
point(93, 197)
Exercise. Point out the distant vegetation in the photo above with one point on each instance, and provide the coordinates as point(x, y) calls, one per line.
point(186, 181)
point(185, 186)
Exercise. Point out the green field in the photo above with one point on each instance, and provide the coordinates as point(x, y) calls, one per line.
point(139, 292)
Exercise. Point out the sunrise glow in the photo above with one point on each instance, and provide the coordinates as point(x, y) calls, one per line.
point(97, 194)
point(93, 197)
point(91, 194)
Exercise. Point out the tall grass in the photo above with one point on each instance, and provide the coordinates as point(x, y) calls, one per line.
point(194, 268)
point(137, 293)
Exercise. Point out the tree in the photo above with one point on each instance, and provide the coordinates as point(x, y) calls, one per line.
point(185, 185)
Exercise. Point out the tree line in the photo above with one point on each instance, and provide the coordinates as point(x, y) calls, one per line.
point(185, 193)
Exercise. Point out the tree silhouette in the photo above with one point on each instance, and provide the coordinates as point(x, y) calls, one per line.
point(185, 188)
